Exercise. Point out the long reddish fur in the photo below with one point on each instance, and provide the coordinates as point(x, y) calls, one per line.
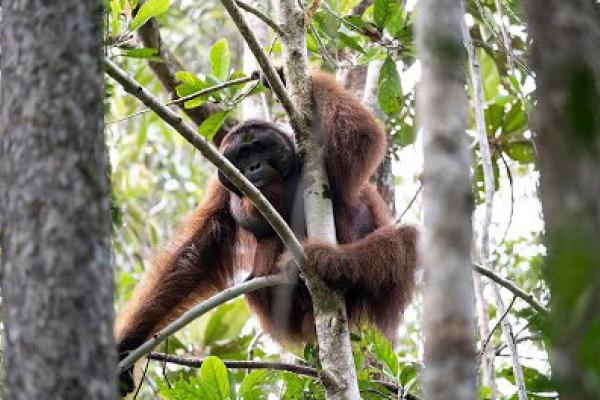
point(375, 262)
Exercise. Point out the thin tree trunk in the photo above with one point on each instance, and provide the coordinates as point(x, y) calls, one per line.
point(329, 307)
point(566, 59)
point(490, 188)
point(57, 279)
point(449, 354)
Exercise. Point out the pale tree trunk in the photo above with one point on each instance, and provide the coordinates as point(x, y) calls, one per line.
point(383, 178)
point(255, 106)
point(331, 321)
point(57, 279)
point(566, 59)
point(448, 324)
point(490, 188)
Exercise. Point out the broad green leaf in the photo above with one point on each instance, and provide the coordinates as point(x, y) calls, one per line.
point(214, 380)
point(493, 118)
point(515, 119)
point(211, 125)
point(520, 150)
point(149, 9)
point(116, 7)
point(389, 89)
point(227, 321)
point(257, 385)
point(196, 102)
point(383, 10)
point(350, 41)
point(143, 52)
point(180, 389)
point(190, 83)
point(491, 77)
point(220, 59)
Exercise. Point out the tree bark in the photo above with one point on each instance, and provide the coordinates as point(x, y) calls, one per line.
point(448, 324)
point(57, 278)
point(565, 59)
point(329, 307)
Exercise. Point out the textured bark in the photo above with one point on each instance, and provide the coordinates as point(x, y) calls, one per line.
point(57, 279)
point(329, 307)
point(565, 58)
point(449, 354)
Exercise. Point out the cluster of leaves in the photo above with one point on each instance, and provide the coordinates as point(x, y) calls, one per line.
point(375, 360)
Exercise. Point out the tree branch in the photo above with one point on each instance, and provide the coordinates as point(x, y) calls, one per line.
point(266, 66)
point(259, 15)
point(507, 284)
point(198, 310)
point(183, 99)
point(150, 36)
point(213, 155)
point(196, 362)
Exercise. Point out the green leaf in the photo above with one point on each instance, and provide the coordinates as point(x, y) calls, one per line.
point(143, 52)
point(389, 88)
point(489, 71)
point(228, 320)
point(214, 381)
point(116, 7)
point(515, 119)
point(211, 125)
point(257, 385)
point(190, 83)
point(180, 389)
point(220, 59)
point(383, 10)
point(149, 9)
point(350, 41)
point(193, 103)
point(520, 150)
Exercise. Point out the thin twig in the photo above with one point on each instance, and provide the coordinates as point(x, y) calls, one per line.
point(198, 310)
point(212, 154)
point(410, 204)
point(508, 52)
point(165, 71)
point(271, 75)
point(137, 391)
point(512, 198)
point(257, 13)
point(507, 284)
point(196, 362)
point(518, 340)
point(183, 99)
point(496, 325)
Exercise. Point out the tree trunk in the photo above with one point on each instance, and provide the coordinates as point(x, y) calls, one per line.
point(448, 325)
point(565, 58)
point(57, 278)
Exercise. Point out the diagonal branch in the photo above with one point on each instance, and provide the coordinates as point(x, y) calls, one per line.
point(212, 154)
point(149, 34)
point(264, 18)
point(197, 311)
point(203, 92)
point(507, 284)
